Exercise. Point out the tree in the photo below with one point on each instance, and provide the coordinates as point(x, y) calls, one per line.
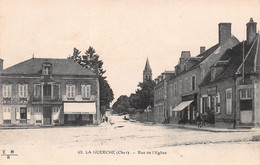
point(121, 105)
point(144, 95)
point(91, 61)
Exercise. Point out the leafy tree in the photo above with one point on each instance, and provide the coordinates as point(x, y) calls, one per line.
point(121, 105)
point(144, 95)
point(90, 60)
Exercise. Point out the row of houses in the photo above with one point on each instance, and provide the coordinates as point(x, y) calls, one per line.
point(221, 83)
point(47, 91)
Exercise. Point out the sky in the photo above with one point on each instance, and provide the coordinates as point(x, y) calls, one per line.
point(124, 33)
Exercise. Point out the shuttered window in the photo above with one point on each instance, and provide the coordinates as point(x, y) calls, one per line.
point(70, 90)
point(23, 90)
point(229, 101)
point(7, 90)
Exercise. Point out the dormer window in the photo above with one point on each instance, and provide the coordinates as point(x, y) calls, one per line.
point(213, 73)
point(46, 70)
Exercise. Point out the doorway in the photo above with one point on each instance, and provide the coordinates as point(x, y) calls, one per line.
point(46, 115)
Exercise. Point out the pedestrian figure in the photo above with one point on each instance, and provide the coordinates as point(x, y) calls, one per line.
point(106, 119)
point(198, 121)
point(203, 118)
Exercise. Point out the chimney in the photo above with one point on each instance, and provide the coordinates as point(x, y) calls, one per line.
point(185, 55)
point(224, 32)
point(250, 31)
point(1, 64)
point(202, 49)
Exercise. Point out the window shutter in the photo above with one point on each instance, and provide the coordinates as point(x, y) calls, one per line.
point(88, 91)
point(4, 90)
point(29, 113)
point(17, 112)
point(83, 90)
point(67, 90)
point(19, 90)
point(72, 91)
point(9, 90)
point(25, 90)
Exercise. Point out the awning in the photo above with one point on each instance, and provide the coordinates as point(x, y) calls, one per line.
point(80, 108)
point(182, 105)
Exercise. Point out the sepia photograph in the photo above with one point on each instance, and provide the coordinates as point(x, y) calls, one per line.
point(129, 82)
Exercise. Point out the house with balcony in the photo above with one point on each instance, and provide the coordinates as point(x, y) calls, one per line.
point(48, 91)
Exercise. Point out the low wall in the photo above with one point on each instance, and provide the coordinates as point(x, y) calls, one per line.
point(142, 117)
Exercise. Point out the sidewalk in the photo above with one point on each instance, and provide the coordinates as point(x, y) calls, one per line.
point(207, 128)
point(3, 127)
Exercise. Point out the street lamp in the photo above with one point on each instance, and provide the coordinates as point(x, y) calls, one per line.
point(147, 110)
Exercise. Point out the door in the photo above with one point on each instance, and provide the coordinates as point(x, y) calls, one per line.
point(46, 115)
point(23, 115)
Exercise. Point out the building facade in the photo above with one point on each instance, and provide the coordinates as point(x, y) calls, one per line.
point(182, 89)
point(160, 96)
point(231, 89)
point(46, 91)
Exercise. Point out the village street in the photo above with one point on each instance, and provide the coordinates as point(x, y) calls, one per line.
point(129, 141)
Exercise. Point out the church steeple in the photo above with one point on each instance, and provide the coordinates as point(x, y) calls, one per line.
point(147, 73)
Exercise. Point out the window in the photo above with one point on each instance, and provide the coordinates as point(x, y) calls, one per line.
point(47, 90)
point(180, 84)
point(229, 101)
point(246, 94)
point(171, 90)
point(86, 91)
point(7, 113)
point(56, 91)
point(186, 84)
point(217, 110)
point(7, 91)
point(171, 110)
point(193, 82)
point(175, 89)
point(46, 70)
point(212, 103)
point(23, 90)
point(23, 113)
point(37, 90)
point(204, 104)
point(70, 89)
point(38, 115)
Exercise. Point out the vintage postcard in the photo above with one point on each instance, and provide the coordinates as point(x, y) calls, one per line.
point(129, 82)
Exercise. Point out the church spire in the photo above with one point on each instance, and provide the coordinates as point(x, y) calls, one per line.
point(147, 73)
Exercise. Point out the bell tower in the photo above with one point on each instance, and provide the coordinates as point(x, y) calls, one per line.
point(147, 73)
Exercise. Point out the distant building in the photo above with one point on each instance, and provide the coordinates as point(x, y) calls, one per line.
point(181, 90)
point(232, 88)
point(47, 91)
point(160, 96)
point(147, 73)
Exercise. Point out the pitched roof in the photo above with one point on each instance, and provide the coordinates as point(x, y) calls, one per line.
point(59, 67)
point(147, 66)
point(234, 57)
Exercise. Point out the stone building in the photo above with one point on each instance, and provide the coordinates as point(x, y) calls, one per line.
point(160, 96)
point(231, 88)
point(47, 91)
point(182, 91)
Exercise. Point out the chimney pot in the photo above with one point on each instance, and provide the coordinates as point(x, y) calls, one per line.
point(185, 55)
point(1, 64)
point(224, 32)
point(250, 31)
point(202, 49)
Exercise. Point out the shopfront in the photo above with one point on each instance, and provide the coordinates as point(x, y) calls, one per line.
point(79, 113)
